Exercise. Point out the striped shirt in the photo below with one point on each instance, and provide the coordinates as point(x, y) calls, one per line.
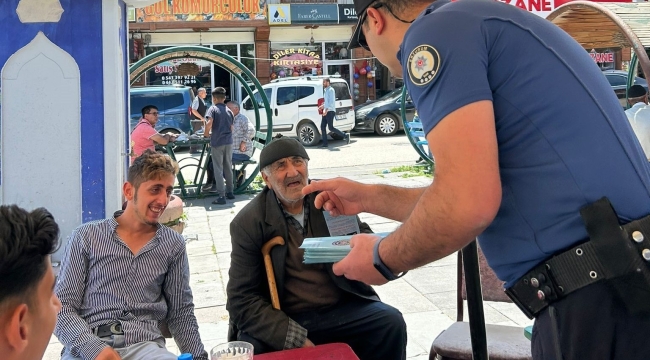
point(102, 282)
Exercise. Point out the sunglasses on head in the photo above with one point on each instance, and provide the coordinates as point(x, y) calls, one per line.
point(361, 38)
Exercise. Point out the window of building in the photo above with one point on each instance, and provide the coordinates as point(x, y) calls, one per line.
point(336, 51)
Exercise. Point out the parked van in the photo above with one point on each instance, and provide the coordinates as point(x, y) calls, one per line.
point(174, 103)
point(294, 107)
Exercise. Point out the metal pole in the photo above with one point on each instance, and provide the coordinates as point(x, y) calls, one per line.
point(477, 331)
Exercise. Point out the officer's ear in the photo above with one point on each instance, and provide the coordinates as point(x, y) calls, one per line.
point(376, 20)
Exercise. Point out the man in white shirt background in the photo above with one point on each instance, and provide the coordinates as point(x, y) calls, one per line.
point(639, 115)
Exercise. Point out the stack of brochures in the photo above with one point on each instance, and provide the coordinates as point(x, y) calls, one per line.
point(327, 249)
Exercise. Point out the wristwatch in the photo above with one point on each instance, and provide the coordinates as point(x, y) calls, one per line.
point(380, 266)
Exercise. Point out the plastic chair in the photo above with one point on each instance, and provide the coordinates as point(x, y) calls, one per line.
point(503, 342)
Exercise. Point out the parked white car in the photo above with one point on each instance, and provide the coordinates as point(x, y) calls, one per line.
point(294, 107)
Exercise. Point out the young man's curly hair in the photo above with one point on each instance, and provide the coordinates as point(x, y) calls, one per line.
point(150, 166)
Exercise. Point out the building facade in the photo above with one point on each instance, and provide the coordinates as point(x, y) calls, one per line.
point(272, 38)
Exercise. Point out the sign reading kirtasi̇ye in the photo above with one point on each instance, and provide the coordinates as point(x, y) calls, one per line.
point(202, 10)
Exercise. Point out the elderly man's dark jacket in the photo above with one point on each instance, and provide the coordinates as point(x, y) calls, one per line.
point(249, 300)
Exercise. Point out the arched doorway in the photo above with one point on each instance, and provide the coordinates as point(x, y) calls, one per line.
point(226, 62)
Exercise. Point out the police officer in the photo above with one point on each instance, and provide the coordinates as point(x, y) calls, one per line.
point(528, 137)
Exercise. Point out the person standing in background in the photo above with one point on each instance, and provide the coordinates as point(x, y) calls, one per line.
point(329, 111)
point(198, 114)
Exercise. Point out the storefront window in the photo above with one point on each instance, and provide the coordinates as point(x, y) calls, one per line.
point(187, 71)
point(199, 73)
point(296, 59)
point(247, 52)
point(337, 51)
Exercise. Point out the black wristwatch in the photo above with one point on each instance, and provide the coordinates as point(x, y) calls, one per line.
point(380, 266)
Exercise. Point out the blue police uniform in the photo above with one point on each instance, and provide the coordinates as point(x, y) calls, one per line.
point(563, 138)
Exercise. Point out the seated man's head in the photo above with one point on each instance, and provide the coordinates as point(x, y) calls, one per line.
point(234, 107)
point(218, 95)
point(284, 170)
point(149, 186)
point(636, 94)
point(150, 113)
point(28, 305)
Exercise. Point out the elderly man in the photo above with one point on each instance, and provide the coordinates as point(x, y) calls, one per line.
point(28, 305)
point(242, 135)
point(123, 276)
point(198, 114)
point(318, 307)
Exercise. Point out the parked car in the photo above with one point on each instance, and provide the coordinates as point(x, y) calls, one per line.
point(174, 103)
point(294, 107)
point(618, 80)
point(384, 116)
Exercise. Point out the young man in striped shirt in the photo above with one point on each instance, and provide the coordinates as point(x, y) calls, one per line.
point(122, 277)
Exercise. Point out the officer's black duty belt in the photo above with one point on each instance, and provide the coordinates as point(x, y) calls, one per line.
point(108, 330)
point(614, 252)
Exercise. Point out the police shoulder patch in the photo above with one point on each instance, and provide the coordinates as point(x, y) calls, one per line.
point(423, 64)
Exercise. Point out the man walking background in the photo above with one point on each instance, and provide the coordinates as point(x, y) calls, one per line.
point(329, 110)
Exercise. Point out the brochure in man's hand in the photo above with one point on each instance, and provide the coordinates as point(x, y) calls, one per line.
point(328, 249)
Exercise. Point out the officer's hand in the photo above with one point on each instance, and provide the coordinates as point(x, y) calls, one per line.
point(357, 265)
point(108, 354)
point(339, 196)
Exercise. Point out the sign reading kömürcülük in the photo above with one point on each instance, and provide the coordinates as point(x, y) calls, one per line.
point(202, 10)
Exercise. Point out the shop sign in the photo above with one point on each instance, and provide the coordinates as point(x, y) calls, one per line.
point(170, 67)
point(347, 14)
point(279, 14)
point(177, 79)
point(295, 57)
point(201, 10)
point(602, 57)
point(544, 7)
point(314, 14)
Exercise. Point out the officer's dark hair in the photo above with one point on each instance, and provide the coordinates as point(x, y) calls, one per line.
point(147, 109)
point(26, 240)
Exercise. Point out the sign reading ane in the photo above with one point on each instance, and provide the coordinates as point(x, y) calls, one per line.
point(602, 57)
point(545, 7)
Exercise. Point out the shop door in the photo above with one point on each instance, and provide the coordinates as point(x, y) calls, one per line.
point(342, 68)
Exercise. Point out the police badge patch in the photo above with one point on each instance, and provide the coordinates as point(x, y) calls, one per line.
point(423, 64)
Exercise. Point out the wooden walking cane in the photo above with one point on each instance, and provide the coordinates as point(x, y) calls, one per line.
point(268, 264)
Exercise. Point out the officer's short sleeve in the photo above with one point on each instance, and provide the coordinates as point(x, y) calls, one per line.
point(445, 64)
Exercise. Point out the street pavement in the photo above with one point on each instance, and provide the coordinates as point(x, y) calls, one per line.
point(426, 296)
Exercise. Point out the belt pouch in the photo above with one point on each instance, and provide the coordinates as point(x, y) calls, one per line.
point(625, 269)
